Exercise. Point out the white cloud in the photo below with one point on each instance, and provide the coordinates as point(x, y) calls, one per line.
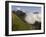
point(31, 18)
point(18, 8)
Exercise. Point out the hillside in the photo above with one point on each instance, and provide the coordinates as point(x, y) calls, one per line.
point(18, 24)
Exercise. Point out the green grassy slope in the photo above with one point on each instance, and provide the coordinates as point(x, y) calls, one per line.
point(18, 24)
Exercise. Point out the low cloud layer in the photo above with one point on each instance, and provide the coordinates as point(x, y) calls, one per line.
point(32, 18)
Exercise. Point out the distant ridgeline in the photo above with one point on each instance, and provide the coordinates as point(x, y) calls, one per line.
point(20, 14)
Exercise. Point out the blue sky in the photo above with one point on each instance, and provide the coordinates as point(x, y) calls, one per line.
point(27, 9)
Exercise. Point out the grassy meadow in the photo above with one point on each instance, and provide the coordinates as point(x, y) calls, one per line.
point(18, 24)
